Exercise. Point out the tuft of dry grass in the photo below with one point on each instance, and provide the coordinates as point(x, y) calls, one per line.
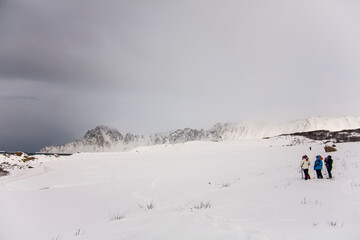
point(225, 185)
point(202, 205)
point(78, 232)
point(117, 216)
point(148, 206)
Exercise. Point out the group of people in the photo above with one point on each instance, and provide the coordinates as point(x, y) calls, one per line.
point(318, 165)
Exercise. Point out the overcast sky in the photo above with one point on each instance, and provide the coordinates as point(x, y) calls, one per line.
point(151, 66)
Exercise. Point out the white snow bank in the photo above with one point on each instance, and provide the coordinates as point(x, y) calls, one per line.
point(253, 187)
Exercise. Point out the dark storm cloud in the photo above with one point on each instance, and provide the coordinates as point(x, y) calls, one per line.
point(144, 66)
point(30, 48)
point(60, 42)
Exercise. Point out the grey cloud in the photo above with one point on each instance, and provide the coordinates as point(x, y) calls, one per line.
point(18, 98)
point(53, 42)
point(144, 66)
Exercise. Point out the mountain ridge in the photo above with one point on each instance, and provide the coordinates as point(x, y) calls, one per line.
point(106, 139)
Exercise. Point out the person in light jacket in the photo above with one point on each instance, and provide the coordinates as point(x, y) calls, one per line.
point(305, 164)
point(318, 166)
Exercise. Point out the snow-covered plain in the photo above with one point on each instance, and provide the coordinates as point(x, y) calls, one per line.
point(246, 189)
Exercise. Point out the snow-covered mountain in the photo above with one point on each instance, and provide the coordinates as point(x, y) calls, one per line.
point(103, 138)
point(235, 131)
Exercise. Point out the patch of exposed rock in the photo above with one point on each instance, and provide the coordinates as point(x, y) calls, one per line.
point(352, 135)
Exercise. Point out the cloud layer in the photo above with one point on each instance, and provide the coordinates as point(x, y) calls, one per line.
point(142, 67)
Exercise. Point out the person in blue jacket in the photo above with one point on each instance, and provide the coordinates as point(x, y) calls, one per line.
point(318, 166)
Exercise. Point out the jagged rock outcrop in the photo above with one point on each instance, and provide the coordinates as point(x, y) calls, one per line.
point(3, 172)
point(103, 138)
point(352, 135)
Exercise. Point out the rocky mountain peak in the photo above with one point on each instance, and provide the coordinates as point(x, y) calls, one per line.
point(103, 136)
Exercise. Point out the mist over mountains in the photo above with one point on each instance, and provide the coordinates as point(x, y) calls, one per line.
point(106, 139)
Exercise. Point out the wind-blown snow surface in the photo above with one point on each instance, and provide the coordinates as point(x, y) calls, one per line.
point(254, 188)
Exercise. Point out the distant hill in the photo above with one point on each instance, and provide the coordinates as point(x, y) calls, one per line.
point(106, 139)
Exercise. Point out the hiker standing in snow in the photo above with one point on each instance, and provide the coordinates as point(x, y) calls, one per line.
point(305, 163)
point(328, 164)
point(318, 166)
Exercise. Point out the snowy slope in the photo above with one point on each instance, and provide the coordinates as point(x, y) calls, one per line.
point(259, 130)
point(253, 186)
point(105, 139)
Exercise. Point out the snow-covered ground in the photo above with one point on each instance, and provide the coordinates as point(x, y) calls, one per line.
point(247, 189)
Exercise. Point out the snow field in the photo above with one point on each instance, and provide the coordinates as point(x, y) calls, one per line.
point(253, 189)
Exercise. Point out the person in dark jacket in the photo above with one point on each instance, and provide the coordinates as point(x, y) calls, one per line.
point(328, 164)
point(318, 166)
